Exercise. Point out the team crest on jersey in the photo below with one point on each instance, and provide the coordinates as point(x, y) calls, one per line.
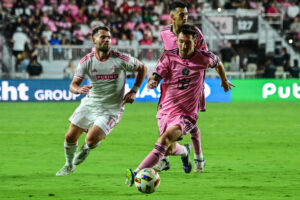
point(114, 68)
point(185, 72)
point(94, 70)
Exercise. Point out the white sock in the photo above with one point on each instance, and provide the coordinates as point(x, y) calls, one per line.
point(198, 157)
point(85, 146)
point(70, 150)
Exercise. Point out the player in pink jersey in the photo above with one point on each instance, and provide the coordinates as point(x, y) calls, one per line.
point(179, 15)
point(182, 71)
point(103, 105)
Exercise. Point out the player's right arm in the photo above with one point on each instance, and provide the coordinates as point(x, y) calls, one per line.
point(78, 77)
point(76, 89)
point(160, 72)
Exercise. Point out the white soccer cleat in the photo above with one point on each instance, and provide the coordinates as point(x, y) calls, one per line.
point(66, 170)
point(162, 165)
point(81, 156)
point(199, 166)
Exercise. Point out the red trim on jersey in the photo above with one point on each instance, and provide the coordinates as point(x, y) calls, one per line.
point(106, 76)
point(121, 56)
point(85, 58)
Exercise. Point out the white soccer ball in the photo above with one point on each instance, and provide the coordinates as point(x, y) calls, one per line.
point(147, 180)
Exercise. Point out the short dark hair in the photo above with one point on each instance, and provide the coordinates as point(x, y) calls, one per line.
point(188, 29)
point(95, 30)
point(177, 4)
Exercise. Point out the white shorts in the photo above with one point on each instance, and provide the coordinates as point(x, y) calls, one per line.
point(85, 116)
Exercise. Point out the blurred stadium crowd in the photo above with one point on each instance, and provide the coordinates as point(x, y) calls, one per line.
point(28, 24)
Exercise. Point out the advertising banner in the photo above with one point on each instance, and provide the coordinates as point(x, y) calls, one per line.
point(58, 90)
point(37, 90)
point(213, 92)
point(266, 90)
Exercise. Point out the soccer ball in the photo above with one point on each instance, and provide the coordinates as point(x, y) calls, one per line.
point(147, 180)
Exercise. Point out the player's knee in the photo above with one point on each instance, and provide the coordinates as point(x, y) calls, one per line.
point(70, 138)
point(93, 141)
point(164, 140)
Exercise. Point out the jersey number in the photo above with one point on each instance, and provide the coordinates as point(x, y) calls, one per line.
point(183, 83)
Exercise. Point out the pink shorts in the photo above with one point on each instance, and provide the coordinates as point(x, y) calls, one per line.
point(186, 123)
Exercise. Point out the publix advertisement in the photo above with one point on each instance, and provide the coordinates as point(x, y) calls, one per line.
point(245, 90)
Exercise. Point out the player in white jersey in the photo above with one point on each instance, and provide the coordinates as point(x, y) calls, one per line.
point(103, 105)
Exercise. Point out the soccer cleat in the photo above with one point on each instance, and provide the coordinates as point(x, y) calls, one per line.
point(130, 175)
point(186, 162)
point(162, 165)
point(199, 166)
point(81, 155)
point(66, 170)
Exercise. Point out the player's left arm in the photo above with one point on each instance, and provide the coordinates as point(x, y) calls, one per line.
point(224, 81)
point(141, 74)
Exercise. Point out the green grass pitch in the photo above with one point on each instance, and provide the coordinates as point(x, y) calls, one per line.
point(252, 151)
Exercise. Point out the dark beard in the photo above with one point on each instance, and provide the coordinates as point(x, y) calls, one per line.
point(104, 49)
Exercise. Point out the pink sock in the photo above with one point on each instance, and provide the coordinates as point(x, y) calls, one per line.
point(196, 141)
point(154, 156)
point(179, 149)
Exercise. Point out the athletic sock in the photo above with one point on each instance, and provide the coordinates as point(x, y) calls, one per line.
point(154, 156)
point(180, 150)
point(198, 157)
point(70, 149)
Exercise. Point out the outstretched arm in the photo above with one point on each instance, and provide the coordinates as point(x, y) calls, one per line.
point(224, 81)
point(141, 74)
point(76, 89)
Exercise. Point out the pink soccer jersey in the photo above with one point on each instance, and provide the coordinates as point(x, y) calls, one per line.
point(183, 81)
point(169, 39)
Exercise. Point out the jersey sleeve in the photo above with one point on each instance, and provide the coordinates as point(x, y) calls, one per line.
point(201, 44)
point(212, 59)
point(161, 68)
point(129, 63)
point(80, 71)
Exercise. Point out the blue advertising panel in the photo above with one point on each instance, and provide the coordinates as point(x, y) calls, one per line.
point(213, 92)
point(58, 90)
point(37, 90)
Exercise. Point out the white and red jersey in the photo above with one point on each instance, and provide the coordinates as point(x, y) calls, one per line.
point(107, 78)
point(183, 81)
point(169, 38)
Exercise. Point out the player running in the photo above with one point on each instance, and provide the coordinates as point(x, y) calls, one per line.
point(103, 106)
point(182, 71)
point(179, 15)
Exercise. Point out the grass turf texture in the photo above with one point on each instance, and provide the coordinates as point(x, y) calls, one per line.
point(251, 150)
